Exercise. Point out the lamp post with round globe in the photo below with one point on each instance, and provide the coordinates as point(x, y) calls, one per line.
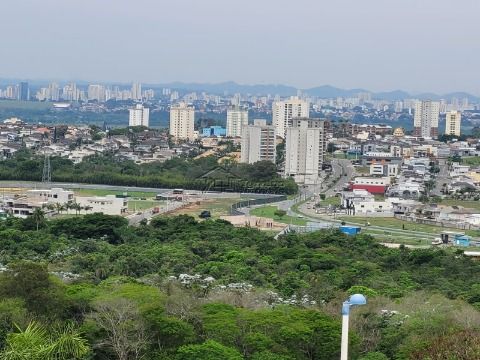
point(354, 300)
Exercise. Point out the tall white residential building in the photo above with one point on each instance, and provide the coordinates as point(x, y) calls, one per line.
point(54, 92)
point(425, 121)
point(139, 116)
point(258, 142)
point(284, 111)
point(137, 91)
point(70, 92)
point(453, 123)
point(182, 120)
point(96, 92)
point(305, 150)
point(236, 119)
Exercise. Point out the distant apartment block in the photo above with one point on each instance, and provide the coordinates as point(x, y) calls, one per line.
point(237, 118)
point(96, 92)
point(453, 122)
point(23, 91)
point(139, 116)
point(426, 118)
point(137, 91)
point(258, 142)
point(305, 150)
point(283, 112)
point(371, 129)
point(182, 120)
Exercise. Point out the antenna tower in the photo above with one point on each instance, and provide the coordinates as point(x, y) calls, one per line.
point(47, 170)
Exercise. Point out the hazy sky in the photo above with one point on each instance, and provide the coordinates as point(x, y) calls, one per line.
point(415, 45)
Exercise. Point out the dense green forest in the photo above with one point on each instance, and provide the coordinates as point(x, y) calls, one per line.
point(179, 172)
point(93, 287)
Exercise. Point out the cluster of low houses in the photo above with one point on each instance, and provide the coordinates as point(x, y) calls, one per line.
point(397, 167)
point(77, 142)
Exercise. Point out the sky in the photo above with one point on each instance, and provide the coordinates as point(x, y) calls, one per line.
point(380, 45)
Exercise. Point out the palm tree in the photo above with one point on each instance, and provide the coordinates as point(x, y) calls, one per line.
point(38, 216)
point(59, 207)
point(77, 207)
point(38, 343)
point(87, 208)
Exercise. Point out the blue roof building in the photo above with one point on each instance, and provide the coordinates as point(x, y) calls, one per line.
point(214, 131)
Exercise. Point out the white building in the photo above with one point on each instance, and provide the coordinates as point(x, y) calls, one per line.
point(452, 123)
point(96, 92)
point(258, 142)
point(305, 150)
point(284, 111)
point(182, 120)
point(384, 169)
point(425, 120)
point(109, 204)
point(137, 91)
point(139, 116)
point(459, 170)
point(36, 199)
point(236, 120)
point(54, 195)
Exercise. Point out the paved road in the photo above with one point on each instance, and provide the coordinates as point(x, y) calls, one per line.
point(441, 178)
point(39, 185)
point(346, 171)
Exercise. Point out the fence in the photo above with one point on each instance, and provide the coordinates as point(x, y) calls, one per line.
point(447, 224)
point(259, 201)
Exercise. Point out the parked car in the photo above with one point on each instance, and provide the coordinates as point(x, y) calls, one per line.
point(205, 214)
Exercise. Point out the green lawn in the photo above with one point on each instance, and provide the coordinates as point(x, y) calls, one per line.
point(362, 169)
point(397, 224)
point(268, 212)
point(332, 200)
point(138, 205)
point(101, 192)
point(471, 160)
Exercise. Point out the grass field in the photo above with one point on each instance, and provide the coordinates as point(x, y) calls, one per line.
point(332, 200)
point(138, 205)
point(268, 212)
point(100, 192)
point(471, 160)
point(400, 224)
point(362, 169)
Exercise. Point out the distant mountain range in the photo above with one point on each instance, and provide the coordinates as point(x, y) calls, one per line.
point(231, 87)
point(325, 91)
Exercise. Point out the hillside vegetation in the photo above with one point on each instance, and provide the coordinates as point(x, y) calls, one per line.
point(182, 289)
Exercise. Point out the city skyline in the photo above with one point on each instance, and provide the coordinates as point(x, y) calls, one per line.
point(375, 45)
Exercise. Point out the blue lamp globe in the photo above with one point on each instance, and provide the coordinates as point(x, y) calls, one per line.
point(357, 299)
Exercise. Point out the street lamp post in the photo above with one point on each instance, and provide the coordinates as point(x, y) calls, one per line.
point(354, 300)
